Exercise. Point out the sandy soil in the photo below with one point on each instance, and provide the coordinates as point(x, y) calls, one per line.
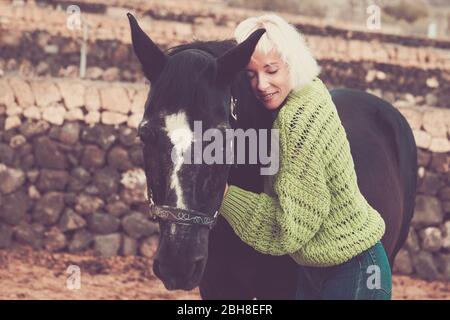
point(28, 274)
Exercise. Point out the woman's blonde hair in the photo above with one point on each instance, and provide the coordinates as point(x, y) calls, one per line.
point(287, 41)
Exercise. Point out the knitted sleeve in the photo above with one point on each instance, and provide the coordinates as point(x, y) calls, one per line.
point(284, 223)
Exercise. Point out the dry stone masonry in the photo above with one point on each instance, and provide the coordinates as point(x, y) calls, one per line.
point(70, 180)
point(351, 58)
point(427, 252)
point(71, 174)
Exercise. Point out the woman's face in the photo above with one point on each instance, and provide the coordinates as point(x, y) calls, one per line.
point(269, 78)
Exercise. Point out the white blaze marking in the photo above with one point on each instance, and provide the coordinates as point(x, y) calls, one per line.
point(181, 136)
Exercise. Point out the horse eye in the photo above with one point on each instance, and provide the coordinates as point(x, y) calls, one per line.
point(147, 135)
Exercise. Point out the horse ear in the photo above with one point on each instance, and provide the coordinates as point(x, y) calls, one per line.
point(235, 59)
point(150, 56)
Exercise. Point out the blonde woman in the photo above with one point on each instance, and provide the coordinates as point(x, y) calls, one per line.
point(312, 209)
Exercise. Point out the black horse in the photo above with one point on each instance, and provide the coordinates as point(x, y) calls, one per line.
point(197, 81)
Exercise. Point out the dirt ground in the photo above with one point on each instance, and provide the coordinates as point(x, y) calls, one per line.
point(28, 274)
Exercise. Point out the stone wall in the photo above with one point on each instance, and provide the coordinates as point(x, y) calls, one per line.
point(112, 60)
point(70, 167)
point(35, 41)
point(426, 252)
point(218, 13)
point(71, 173)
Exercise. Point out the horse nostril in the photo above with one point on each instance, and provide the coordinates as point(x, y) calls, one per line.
point(195, 276)
point(193, 267)
point(198, 266)
point(169, 282)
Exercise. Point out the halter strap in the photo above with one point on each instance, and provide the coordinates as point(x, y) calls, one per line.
point(183, 216)
point(233, 111)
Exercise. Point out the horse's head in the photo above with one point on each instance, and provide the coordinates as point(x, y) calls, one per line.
point(190, 93)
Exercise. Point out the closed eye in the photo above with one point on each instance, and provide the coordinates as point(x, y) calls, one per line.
point(149, 137)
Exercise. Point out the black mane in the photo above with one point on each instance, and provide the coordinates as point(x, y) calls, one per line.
point(187, 77)
point(189, 63)
point(251, 114)
point(198, 57)
point(214, 48)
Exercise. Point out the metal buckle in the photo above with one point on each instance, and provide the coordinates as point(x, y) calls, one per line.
point(233, 112)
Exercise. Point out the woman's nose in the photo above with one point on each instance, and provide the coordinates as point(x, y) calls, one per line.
point(263, 84)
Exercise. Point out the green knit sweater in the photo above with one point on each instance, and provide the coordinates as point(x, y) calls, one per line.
point(313, 210)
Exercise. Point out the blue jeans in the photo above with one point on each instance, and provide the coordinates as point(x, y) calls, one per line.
point(365, 277)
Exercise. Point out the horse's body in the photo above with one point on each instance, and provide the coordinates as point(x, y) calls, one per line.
point(384, 153)
point(381, 142)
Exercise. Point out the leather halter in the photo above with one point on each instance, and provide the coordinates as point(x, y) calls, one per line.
point(187, 216)
point(182, 216)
